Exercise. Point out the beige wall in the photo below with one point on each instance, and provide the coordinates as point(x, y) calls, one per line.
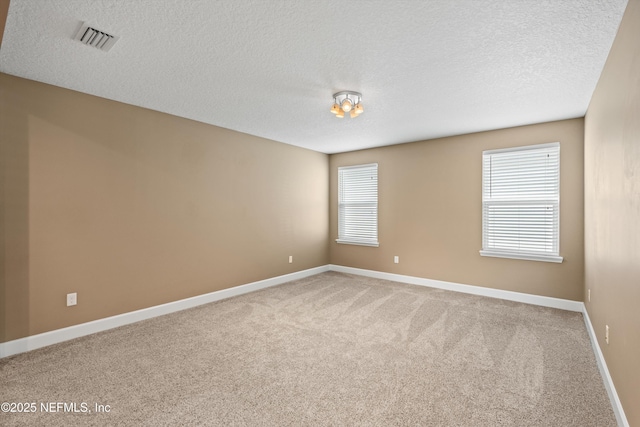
point(612, 211)
point(430, 212)
point(4, 9)
point(132, 208)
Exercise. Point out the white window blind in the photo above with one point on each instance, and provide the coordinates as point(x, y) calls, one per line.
point(358, 205)
point(521, 203)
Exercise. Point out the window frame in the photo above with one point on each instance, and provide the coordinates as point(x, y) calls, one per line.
point(345, 237)
point(554, 200)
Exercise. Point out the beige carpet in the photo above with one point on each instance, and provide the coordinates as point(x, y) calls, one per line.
point(332, 349)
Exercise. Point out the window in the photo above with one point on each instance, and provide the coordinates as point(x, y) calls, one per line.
point(521, 203)
point(358, 205)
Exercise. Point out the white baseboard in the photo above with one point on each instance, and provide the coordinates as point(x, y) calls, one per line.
point(604, 371)
point(59, 335)
point(562, 304)
point(48, 338)
point(33, 342)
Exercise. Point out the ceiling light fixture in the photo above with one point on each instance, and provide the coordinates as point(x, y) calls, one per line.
point(347, 102)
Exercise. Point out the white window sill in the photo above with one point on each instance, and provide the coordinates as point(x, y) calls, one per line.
point(355, 242)
point(527, 257)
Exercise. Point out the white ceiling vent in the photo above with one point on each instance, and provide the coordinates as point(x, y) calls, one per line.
point(96, 38)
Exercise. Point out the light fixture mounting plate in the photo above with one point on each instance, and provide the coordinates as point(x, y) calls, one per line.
point(356, 97)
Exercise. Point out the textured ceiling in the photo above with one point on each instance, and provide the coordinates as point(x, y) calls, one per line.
point(426, 69)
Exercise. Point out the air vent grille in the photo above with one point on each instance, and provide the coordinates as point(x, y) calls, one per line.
point(96, 38)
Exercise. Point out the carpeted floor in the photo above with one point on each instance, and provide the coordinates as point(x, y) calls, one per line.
point(332, 349)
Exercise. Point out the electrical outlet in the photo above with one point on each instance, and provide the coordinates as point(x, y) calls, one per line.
point(396, 259)
point(72, 299)
point(606, 333)
point(290, 259)
point(588, 295)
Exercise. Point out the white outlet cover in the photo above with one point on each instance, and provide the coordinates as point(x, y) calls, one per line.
point(72, 299)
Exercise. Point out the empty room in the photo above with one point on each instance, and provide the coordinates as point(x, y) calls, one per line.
point(340, 213)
